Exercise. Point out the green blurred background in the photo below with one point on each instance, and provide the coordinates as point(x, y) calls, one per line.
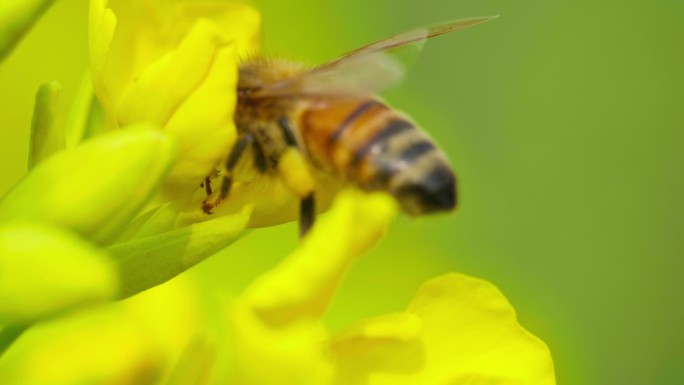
point(564, 123)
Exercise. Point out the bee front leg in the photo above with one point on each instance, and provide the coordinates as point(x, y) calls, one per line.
point(227, 180)
point(207, 186)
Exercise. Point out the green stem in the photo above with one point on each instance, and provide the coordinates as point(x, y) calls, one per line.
point(9, 334)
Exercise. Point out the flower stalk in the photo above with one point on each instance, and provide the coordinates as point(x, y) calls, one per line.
point(9, 334)
point(47, 136)
point(16, 18)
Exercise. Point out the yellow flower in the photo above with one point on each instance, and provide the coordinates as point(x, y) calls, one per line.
point(170, 65)
point(166, 71)
point(457, 330)
point(174, 64)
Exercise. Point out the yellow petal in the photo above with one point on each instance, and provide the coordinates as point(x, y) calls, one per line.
point(478, 379)
point(470, 327)
point(291, 354)
point(191, 94)
point(165, 84)
point(195, 365)
point(171, 315)
point(102, 24)
point(274, 203)
point(126, 37)
point(47, 133)
point(470, 335)
point(44, 271)
point(238, 23)
point(276, 322)
point(203, 125)
point(16, 18)
point(104, 350)
point(174, 64)
point(301, 286)
point(96, 188)
point(389, 344)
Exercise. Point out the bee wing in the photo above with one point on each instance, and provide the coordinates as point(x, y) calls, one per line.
point(351, 76)
point(371, 68)
point(415, 36)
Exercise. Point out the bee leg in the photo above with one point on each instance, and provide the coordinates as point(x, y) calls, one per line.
point(207, 185)
point(227, 180)
point(295, 173)
point(307, 214)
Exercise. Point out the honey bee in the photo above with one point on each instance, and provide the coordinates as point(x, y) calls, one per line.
point(292, 118)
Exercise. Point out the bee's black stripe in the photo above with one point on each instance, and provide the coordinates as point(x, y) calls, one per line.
point(387, 169)
point(363, 107)
point(392, 128)
point(415, 150)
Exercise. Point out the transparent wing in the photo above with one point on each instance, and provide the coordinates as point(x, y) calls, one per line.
point(369, 69)
point(415, 36)
point(353, 76)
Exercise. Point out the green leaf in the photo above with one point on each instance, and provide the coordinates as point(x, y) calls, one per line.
point(147, 262)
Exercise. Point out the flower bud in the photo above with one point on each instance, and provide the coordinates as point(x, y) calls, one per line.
point(96, 188)
point(44, 271)
point(125, 342)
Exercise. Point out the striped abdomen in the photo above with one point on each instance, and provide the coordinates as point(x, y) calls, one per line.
point(377, 148)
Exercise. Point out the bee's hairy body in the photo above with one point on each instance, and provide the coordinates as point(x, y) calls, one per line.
point(358, 139)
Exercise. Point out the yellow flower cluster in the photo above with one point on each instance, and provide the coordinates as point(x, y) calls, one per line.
point(84, 228)
point(456, 330)
point(173, 64)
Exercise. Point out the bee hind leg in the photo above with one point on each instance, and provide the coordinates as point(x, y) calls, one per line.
point(294, 172)
point(307, 214)
point(227, 181)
